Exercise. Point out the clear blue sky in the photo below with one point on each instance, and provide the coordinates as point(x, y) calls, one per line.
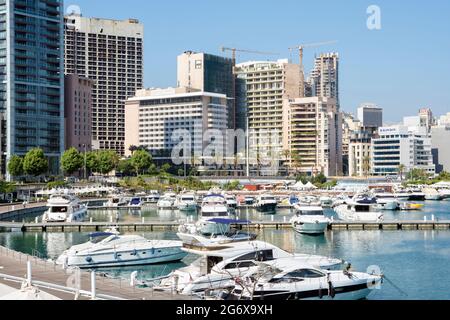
point(402, 67)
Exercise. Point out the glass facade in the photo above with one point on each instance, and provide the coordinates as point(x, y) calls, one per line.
point(219, 78)
point(31, 90)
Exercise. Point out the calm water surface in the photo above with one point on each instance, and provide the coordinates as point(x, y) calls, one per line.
point(415, 262)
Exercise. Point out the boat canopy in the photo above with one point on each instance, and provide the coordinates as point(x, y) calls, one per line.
point(229, 221)
point(101, 234)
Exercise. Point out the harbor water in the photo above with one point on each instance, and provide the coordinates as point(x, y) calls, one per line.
point(415, 263)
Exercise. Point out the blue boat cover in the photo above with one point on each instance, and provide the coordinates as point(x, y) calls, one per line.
point(229, 221)
point(100, 234)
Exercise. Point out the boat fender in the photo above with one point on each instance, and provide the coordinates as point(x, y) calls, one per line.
point(153, 250)
point(331, 290)
point(134, 253)
point(320, 293)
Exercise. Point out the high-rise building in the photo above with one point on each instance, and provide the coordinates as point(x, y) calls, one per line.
point(324, 79)
point(267, 83)
point(313, 134)
point(440, 137)
point(153, 116)
point(400, 145)
point(78, 112)
point(31, 68)
point(110, 53)
point(349, 125)
point(209, 73)
point(370, 115)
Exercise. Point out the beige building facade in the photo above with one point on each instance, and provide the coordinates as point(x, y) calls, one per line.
point(313, 135)
point(109, 52)
point(153, 116)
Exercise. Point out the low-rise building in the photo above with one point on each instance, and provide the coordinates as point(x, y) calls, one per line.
point(153, 116)
point(400, 145)
point(313, 135)
point(360, 153)
point(440, 137)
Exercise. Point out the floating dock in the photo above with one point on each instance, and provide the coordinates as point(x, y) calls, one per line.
point(173, 226)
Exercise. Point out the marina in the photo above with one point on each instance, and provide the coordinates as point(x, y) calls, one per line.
point(134, 244)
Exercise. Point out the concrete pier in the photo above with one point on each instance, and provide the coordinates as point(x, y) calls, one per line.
point(14, 264)
point(173, 226)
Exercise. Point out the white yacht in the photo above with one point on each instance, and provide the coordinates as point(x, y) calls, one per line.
point(64, 208)
point(109, 249)
point(294, 281)
point(214, 206)
point(116, 202)
point(167, 201)
point(186, 202)
point(231, 201)
point(326, 202)
point(391, 204)
point(218, 265)
point(151, 197)
point(309, 220)
point(266, 203)
point(194, 233)
point(360, 210)
point(432, 194)
point(135, 202)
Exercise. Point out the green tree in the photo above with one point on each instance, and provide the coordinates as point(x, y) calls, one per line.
point(107, 161)
point(401, 171)
point(92, 163)
point(7, 187)
point(165, 168)
point(35, 163)
point(71, 161)
point(141, 161)
point(125, 167)
point(15, 166)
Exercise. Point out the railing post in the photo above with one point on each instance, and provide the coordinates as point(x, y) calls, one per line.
point(29, 273)
point(93, 288)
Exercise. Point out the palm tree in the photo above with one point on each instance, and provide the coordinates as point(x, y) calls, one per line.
point(297, 160)
point(366, 166)
point(401, 169)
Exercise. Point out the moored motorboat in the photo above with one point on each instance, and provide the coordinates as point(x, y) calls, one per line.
point(109, 249)
point(363, 209)
point(167, 201)
point(64, 208)
point(266, 203)
point(303, 282)
point(309, 220)
point(186, 202)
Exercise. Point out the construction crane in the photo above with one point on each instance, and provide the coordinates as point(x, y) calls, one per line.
point(309, 45)
point(234, 50)
point(301, 48)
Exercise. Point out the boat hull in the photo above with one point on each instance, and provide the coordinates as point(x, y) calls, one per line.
point(122, 259)
point(270, 207)
point(311, 228)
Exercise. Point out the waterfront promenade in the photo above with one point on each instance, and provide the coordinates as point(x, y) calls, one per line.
point(14, 264)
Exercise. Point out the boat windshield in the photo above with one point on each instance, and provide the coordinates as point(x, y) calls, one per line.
point(59, 209)
point(310, 213)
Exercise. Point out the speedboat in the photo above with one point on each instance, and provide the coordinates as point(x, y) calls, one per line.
point(360, 209)
point(214, 206)
point(115, 202)
point(309, 220)
point(212, 232)
point(151, 197)
point(135, 202)
point(432, 194)
point(445, 193)
point(231, 202)
point(326, 202)
point(186, 202)
point(220, 264)
point(266, 203)
point(293, 281)
point(388, 203)
point(64, 208)
point(109, 249)
point(167, 201)
point(406, 206)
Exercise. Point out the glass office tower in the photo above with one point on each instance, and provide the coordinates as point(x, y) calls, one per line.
point(32, 78)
